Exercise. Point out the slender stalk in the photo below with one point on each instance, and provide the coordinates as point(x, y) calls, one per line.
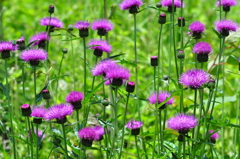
point(116, 114)
point(10, 111)
point(73, 64)
point(59, 71)
point(184, 147)
point(36, 141)
point(23, 80)
point(31, 137)
point(237, 123)
point(47, 46)
point(35, 85)
point(94, 76)
point(85, 66)
point(179, 149)
point(137, 146)
point(181, 87)
point(223, 101)
point(124, 122)
point(64, 140)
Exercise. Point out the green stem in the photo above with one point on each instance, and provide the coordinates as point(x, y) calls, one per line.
point(237, 123)
point(94, 76)
point(159, 57)
point(64, 140)
point(137, 146)
point(73, 64)
point(59, 71)
point(23, 80)
point(31, 139)
point(223, 95)
point(35, 85)
point(85, 66)
point(47, 46)
point(179, 149)
point(181, 87)
point(10, 111)
point(36, 141)
point(124, 122)
point(184, 147)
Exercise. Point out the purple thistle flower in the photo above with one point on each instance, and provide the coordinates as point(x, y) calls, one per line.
point(59, 112)
point(88, 135)
point(182, 123)
point(162, 96)
point(118, 75)
point(224, 26)
point(226, 3)
point(34, 56)
point(102, 25)
point(131, 5)
point(53, 23)
point(40, 39)
point(197, 28)
point(82, 25)
point(38, 113)
point(75, 98)
point(99, 131)
point(5, 48)
point(134, 126)
point(100, 46)
point(202, 49)
point(194, 78)
point(103, 66)
point(214, 136)
point(168, 3)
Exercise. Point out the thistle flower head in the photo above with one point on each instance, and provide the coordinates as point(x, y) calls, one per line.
point(118, 76)
point(7, 46)
point(214, 136)
point(103, 25)
point(162, 96)
point(182, 123)
point(101, 45)
point(34, 55)
point(54, 22)
point(99, 131)
point(168, 3)
point(202, 48)
point(134, 124)
point(197, 27)
point(88, 133)
point(38, 111)
point(74, 96)
point(225, 26)
point(39, 37)
point(194, 78)
point(103, 67)
point(58, 112)
point(127, 4)
point(82, 25)
point(226, 3)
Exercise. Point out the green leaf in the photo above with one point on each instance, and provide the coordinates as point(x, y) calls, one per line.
point(114, 56)
point(71, 39)
point(5, 91)
point(56, 132)
point(216, 32)
point(233, 37)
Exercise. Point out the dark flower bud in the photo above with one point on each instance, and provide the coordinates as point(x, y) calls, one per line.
point(181, 22)
point(83, 33)
point(181, 54)
point(26, 110)
point(105, 102)
point(5, 54)
point(130, 87)
point(162, 19)
point(159, 5)
point(37, 120)
point(62, 121)
point(154, 61)
point(46, 94)
point(211, 84)
point(226, 8)
point(135, 131)
point(101, 32)
point(21, 44)
point(202, 57)
point(51, 9)
point(224, 32)
point(64, 50)
point(70, 28)
point(133, 9)
point(165, 77)
point(97, 52)
point(34, 62)
point(86, 142)
point(117, 82)
point(196, 35)
point(170, 9)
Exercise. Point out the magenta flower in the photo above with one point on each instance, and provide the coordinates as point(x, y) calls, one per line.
point(26, 110)
point(197, 29)
point(40, 39)
point(226, 4)
point(82, 26)
point(202, 49)
point(194, 78)
point(75, 98)
point(182, 123)
point(103, 67)
point(34, 56)
point(131, 5)
point(168, 3)
point(5, 48)
point(59, 112)
point(54, 22)
point(162, 96)
point(102, 26)
point(214, 136)
point(117, 76)
point(88, 135)
point(134, 126)
point(38, 113)
point(100, 46)
point(225, 26)
point(99, 131)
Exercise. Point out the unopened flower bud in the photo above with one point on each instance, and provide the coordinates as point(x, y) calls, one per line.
point(154, 61)
point(64, 50)
point(26, 110)
point(51, 9)
point(105, 102)
point(180, 54)
point(162, 19)
point(70, 28)
point(46, 94)
point(181, 22)
point(130, 87)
